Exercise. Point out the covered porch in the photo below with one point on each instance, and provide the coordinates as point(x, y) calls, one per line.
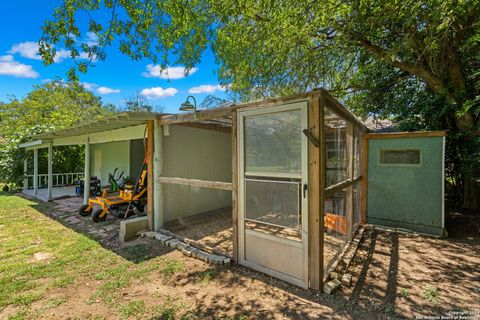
point(57, 193)
point(117, 131)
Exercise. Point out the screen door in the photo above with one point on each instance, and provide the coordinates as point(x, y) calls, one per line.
point(273, 200)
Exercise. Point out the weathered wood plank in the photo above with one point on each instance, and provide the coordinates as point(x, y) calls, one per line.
point(150, 177)
point(416, 134)
point(364, 172)
point(235, 186)
point(197, 183)
point(314, 221)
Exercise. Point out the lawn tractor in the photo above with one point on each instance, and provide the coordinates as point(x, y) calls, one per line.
point(131, 198)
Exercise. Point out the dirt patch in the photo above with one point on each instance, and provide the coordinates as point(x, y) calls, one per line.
point(41, 256)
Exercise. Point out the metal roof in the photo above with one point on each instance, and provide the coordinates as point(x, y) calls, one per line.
point(116, 121)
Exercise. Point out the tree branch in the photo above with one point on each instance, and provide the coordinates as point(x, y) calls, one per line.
point(433, 82)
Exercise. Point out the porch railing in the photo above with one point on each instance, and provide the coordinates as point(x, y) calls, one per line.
point(59, 179)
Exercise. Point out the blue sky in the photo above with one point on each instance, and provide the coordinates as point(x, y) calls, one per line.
point(114, 79)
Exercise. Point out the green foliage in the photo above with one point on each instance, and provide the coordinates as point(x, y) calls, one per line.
point(431, 294)
point(132, 308)
point(50, 106)
point(171, 267)
point(416, 62)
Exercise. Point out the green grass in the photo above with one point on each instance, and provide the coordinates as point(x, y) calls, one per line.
point(207, 276)
point(74, 258)
point(171, 267)
point(432, 294)
point(404, 293)
point(132, 308)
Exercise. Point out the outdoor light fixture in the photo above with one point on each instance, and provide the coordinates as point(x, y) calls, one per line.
point(188, 106)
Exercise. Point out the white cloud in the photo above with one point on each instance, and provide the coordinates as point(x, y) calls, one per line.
point(171, 73)
point(158, 92)
point(61, 54)
point(91, 39)
point(107, 90)
point(27, 49)
point(206, 88)
point(89, 85)
point(8, 66)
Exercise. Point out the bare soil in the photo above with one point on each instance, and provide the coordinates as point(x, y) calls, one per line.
point(395, 276)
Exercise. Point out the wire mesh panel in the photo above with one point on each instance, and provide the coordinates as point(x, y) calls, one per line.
point(275, 203)
point(203, 214)
point(336, 148)
point(335, 226)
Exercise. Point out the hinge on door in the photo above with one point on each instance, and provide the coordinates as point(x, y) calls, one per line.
point(312, 139)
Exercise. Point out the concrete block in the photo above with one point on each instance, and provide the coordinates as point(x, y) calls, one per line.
point(134, 225)
point(335, 275)
point(181, 246)
point(188, 251)
point(172, 243)
point(226, 261)
point(346, 280)
point(129, 228)
point(331, 286)
point(213, 258)
point(202, 256)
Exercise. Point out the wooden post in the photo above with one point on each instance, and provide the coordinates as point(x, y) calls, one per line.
point(322, 181)
point(86, 179)
point(35, 171)
point(25, 172)
point(158, 212)
point(150, 179)
point(50, 172)
point(314, 221)
point(235, 186)
point(349, 194)
point(364, 173)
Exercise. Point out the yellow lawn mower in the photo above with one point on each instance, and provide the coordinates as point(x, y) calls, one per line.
point(134, 197)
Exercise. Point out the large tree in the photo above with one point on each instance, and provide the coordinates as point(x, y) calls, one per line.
point(416, 62)
point(51, 106)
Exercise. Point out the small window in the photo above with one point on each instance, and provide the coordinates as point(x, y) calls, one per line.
point(400, 156)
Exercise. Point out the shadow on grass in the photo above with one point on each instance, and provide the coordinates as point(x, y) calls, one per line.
point(288, 300)
point(136, 251)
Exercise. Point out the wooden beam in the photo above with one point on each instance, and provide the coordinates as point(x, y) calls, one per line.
point(323, 179)
point(150, 179)
point(314, 221)
point(364, 173)
point(349, 199)
point(206, 126)
point(339, 109)
point(235, 186)
point(415, 134)
point(195, 117)
point(197, 183)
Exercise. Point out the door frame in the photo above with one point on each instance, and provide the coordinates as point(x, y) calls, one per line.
point(303, 107)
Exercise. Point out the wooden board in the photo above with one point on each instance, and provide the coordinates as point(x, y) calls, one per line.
point(416, 134)
point(364, 173)
point(150, 178)
point(197, 183)
point(314, 252)
point(235, 186)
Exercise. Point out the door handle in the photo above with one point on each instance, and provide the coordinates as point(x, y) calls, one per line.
point(305, 188)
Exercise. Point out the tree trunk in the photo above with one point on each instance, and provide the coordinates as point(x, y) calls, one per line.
point(471, 194)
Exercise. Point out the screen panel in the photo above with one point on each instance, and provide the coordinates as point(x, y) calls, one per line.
point(273, 142)
point(273, 202)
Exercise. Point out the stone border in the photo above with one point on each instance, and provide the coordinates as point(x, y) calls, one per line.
point(338, 274)
point(186, 249)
